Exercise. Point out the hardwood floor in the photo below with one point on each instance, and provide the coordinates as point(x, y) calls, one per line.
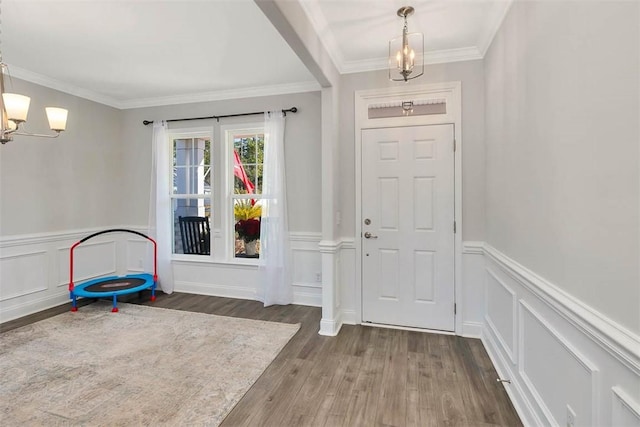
point(365, 376)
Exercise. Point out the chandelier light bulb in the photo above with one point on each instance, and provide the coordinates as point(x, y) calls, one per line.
point(405, 63)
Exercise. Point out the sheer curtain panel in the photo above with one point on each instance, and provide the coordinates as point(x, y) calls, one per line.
point(274, 268)
point(160, 204)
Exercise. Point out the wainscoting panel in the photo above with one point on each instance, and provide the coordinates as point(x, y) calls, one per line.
point(138, 256)
point(34, 269)
point(541, 346)
point(471, 307)
point(23, 274)
point(501, 313)
point(90, 260)
point(307, 269)
point(240, 280)
point(567, 363)
point(626, 410)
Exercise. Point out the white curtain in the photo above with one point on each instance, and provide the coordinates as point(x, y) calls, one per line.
point(274, 268)
point(160, 216)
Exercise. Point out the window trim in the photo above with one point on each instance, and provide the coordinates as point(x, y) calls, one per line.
point(228, 220)
point(189, 133)
point(222, 251)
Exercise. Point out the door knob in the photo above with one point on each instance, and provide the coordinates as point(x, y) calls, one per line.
point(368, 235)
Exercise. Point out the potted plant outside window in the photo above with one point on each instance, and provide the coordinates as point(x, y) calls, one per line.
point(248, 224)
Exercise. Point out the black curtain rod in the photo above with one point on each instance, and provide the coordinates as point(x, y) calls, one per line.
point(288, 110)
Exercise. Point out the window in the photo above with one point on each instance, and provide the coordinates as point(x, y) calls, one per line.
point(191, 200)
point(245, 192)
point(217, 192)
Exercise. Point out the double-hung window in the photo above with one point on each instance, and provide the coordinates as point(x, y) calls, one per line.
point(217, 192)
point(245, 149)
point(191, 195)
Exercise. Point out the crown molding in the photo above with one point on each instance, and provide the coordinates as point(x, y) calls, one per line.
point(489, 34)
point(321, 27)
point(250, 92)
point(220, 95)
point(430, 58)
point(51, 83)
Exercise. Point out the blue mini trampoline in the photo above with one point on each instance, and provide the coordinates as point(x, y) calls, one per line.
point(114, 285)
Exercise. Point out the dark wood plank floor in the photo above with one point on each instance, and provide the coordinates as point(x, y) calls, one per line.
point(363, 377)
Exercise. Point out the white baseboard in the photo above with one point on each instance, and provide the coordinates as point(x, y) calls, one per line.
point(307, 296)
point(349, 317)
point(238, 292)
point(330, 327)
point(516, 394)
point(472, 329)
point(32, 306)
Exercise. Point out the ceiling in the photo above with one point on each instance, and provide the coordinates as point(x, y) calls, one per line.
point(133, 53)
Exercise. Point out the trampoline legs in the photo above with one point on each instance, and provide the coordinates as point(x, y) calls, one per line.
point(74, 307)
point(153, 292)
point(115, 306)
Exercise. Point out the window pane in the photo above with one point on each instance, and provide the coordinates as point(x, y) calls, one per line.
point(191, 166)
point(191, 226)
point(247, 213)
point(248, 159)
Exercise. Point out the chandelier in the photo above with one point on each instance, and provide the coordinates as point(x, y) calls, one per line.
point(405, 63)
point(14, 109)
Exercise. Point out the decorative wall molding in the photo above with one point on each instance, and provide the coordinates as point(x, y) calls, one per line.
point(223, 94)
point(238, 279)
point(347, 243)
point(472, 329)
point(56, 236)
point(330, 246)
point(41, 282)
point(36, 270)
point(297, 236)
point(472, 248)
point(516, 392)
point(239, 292)
point(508, 342)
point(485, 40)
point(612, 336)
point(331, 327)
point(14, 268)
point(349, 317)
point(558, 336)
point(625, 410)
point(580, 362)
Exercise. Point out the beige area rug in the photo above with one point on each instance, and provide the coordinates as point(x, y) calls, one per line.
point(141, 366)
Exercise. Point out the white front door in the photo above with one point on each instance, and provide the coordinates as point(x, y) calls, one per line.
point(408, 226)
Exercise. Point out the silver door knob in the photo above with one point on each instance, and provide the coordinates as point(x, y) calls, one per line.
point(368, 235)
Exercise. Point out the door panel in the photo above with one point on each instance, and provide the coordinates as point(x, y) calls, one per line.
point(408, 195)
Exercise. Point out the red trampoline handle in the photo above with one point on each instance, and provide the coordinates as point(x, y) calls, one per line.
point(114, 230)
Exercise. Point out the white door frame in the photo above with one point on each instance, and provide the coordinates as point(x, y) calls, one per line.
point(451, 94)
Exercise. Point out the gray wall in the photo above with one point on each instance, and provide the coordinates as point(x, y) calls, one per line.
point(97, 173)
point(69, 183)
point(562, 161)
point(302, 150)
point(470, 73)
